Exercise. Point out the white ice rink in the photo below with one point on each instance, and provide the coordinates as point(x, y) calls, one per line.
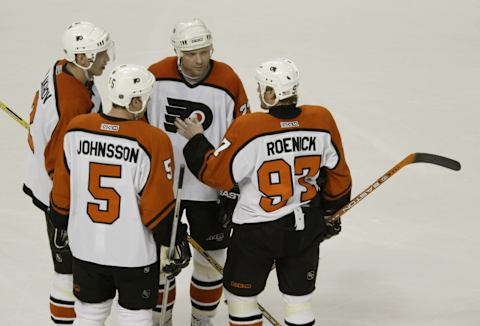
point(399, 77)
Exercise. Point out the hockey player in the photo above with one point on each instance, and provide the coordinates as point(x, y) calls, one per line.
point(191, 84)
point(277, 159)
point(113, 188)
point(66, 91)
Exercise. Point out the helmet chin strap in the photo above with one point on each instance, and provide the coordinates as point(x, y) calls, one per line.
point(91, 57)
point(268, 105)
point(137, 114)
point(85, 69)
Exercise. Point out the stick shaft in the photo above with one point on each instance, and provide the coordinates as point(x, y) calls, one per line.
point(173, 236)
point(13, 115)
point(409, 159)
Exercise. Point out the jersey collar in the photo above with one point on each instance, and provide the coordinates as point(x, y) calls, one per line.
point(285, 111)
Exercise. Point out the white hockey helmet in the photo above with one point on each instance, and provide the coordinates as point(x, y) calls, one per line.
point(85, 37)
point(281, 75)
point(128, 81)
point(190, 35)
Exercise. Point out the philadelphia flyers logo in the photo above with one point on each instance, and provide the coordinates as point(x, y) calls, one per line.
point(186, 109)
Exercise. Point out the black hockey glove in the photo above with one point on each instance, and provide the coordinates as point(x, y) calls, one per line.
point(332, 228)
point(60, 239)
point(329, 208)
point(57, 230)
point(171, 267)
point(228, 201)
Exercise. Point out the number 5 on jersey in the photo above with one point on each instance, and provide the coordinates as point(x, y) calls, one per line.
point(107, 194)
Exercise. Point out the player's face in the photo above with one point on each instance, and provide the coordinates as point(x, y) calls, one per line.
point(99, 64)
point(195, 63)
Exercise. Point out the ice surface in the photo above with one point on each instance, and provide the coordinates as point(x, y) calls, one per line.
point(399, 77)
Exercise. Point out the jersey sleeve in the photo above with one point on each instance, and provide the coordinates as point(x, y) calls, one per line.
point(70, 110)
point(156, 198)
point(213, 166)
point(60, 194)
point(241, 101)
point(337, 189)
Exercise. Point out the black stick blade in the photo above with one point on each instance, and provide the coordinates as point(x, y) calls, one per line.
point(437, 160)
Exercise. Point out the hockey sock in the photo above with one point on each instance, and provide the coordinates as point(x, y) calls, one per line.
point(298, 310)
point(206, 286)
point(62, 301)
point(243, 311)
point(127, 317)
point(92, 314)
point(157, 311)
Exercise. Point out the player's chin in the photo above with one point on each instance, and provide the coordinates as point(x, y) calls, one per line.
point(200, 71)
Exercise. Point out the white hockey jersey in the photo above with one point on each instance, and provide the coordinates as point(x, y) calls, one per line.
point(276, 162)
point(59, 99)
point(114, 182)
point(215, 102)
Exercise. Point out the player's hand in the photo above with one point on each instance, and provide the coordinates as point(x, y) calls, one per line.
point(60, 238)
point(332, 228)
point(188, 127)
point(59, 235)
point(172, 266)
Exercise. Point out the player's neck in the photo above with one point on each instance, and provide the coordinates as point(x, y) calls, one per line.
point(287, 111)
point(120, 113)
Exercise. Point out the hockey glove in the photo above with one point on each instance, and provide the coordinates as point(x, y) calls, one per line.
point(227, 201)
point(332, 228)
point(60, 238)
point(172, 266)
point(57, 231)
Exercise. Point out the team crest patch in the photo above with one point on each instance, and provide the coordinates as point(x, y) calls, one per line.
point(289, 124)
point(109, 127)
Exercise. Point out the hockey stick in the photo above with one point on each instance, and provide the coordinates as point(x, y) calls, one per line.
point(410, 159)
point(219, 269)
point(171, 249)
point(13, 115)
